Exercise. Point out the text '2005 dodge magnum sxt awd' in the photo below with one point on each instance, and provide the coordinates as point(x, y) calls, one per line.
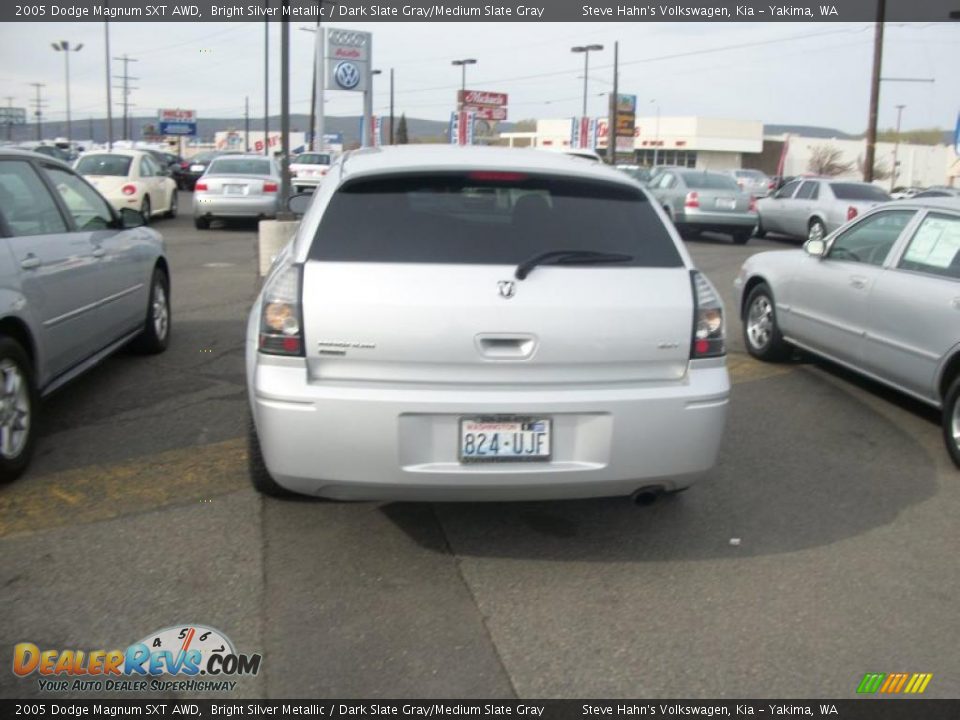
point(483, 324)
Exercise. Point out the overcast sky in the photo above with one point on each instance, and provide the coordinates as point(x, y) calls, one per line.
point(796, 73)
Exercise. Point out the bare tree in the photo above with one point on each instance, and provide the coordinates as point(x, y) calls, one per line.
point(826, 161)
point(881, 171)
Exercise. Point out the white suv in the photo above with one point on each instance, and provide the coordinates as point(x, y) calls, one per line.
point(483, 324)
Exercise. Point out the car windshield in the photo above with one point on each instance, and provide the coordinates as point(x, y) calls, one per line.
point(110, 165)
point(709, 181)
point(489, 218)
point(312, 159)
point(858, 191)
point(239, 166)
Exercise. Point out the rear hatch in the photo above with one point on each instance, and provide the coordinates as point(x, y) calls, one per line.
point(411, 278)
point(860, 196)
point(240, 176)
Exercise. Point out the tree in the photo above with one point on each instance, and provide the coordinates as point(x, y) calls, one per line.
point(403, 137)
point(825, 160)
point(881, 171)
point(525, 126)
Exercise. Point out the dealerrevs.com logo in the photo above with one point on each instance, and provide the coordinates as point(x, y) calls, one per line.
point(200, 657)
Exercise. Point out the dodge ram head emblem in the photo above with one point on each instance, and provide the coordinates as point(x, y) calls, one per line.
point(507, 289)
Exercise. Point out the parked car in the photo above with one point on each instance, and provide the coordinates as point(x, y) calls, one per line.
point(173, 164)
point(198, 166)
point(755, 182)
point(308, 169)
point(80, 280)
point(554, 343)
point(938, 192)
point(812, 208)
point(49, 150)
point(236, 186)
point(640, 174)
point(131, 179)
point(880, 296)
point(698, 200)
point(900, 193)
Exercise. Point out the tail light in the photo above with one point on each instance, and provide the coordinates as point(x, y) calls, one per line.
point(281, 324)
point(772, 185)
point(200, 186)
point(753, 204)
point(693, 200)
point(709, 333)
point(129, 189)
point(269, 187)
point(851, 212)
point(184, 165)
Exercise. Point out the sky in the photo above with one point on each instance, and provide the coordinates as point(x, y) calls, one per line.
point(777, 73)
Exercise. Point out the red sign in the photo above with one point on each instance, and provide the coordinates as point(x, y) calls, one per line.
point(351, 53)
point(481, 98)
point(177, 114)
point(487, 113)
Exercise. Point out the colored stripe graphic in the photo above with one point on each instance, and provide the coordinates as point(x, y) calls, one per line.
point(893, 683)
point(918, 683)
point(871, 682)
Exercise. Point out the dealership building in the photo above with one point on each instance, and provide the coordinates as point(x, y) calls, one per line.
point(728, 144)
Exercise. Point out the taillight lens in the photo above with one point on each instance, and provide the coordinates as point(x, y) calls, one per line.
point(200, 186)
point(753, 204)
point(709, 331)
point(281, 325)
point(270, 187)
point(128, 189)
point(851, 212)
point(693, 200)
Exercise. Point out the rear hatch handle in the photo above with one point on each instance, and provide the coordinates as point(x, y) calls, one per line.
point(510, 346)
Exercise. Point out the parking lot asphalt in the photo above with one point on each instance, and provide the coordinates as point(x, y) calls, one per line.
point(821, 548)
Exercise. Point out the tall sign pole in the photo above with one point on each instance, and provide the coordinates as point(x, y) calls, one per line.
point(870, 154)
point(284, 113)
point(612, 122)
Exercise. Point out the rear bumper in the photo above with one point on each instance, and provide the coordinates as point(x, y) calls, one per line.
point(399, 443)
point(720, 220)
point(233, 206)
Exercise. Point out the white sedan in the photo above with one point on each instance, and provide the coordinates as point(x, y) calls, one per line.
point(131, 179)
point(307, 170)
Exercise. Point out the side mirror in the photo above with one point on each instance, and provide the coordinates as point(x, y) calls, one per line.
point(300, 203)
point(130, 218)
point(816, 248)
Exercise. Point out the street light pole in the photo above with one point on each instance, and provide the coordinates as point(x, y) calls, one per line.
point(586, 50)
point(463, 77)
point(106, 37)
point(64, 47)
point(656, 139)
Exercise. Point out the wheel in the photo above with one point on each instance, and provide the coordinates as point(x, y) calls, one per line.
point(201, 223)
point(817, 230)
point(741, 238)
point(18, 410)
point(759, 231)
point(145, 209)
point(761, 334)
point(155, 336)
point(951, 421)
point(259, 475)
point(174, 202)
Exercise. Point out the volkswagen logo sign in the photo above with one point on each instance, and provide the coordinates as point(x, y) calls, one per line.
point(507, 289)
point(347, 75)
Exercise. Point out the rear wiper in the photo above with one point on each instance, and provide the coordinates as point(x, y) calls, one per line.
point(569, 257)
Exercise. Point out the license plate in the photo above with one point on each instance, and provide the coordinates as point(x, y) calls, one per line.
point(233, 189)
point(725, 204)
point(505, 439)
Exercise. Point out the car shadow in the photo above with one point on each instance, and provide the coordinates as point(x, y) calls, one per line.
point(802, 466)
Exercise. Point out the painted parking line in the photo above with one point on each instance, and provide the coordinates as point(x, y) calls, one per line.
point(176, 477)
point(102, 492)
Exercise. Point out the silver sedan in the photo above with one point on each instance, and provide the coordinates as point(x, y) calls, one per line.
point(236, 186)
point(880, 296)
point(700, 200)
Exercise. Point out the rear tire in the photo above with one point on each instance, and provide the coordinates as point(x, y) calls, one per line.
point(260, 476)
point(201, 223)
point(951, 421)
point(174, 202)
point(760, 232)
point(18, 410)
point(761, 334)
point(146, 210)
point(155, 336)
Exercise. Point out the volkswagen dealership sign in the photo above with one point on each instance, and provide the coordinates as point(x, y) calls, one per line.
point(348, 59)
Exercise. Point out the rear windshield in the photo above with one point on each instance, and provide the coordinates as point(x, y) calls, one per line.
point(755, 174)
point(488, 218)
point(239, 166)
point(858, 191)
point(710, 181)
point(312, 159)
point(117, 165)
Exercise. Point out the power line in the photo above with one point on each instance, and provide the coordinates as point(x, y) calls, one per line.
point(38, 104)
point(125, 88)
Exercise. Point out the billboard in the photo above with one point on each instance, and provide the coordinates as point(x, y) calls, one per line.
point(348, 59)
point(174, 121)
point(13, 116)
point(486, 113)
point(481, 98)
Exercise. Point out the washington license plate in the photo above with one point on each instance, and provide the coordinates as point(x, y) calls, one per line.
point(233, 189)
point(505, 439)
point(726, 204)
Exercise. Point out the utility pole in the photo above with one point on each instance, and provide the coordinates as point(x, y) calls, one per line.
point(246, 122)
point(612, 122)
point(126, 92)
point(391, 106)
point(870, 154)
point(283, 213)
point(10, 117)
point(38, 104)
point(266, 83)
point(896, 149)
point(106, 38)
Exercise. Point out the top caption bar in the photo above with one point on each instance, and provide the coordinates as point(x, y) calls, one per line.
point(479, 11)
